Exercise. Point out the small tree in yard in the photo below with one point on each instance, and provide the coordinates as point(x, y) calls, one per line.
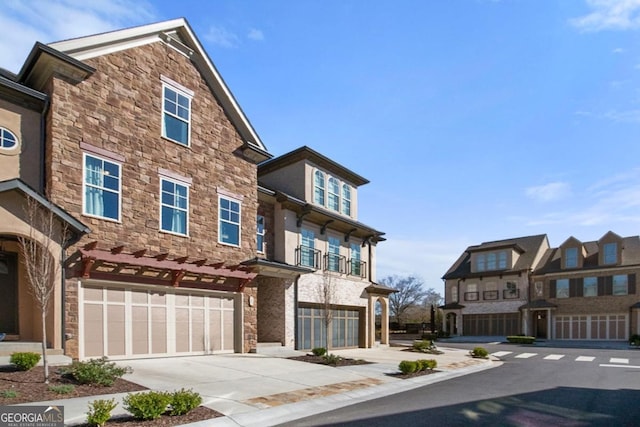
point(40, 264)
point(327, 295)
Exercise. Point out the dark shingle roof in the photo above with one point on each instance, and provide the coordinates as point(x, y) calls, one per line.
point(551, 262)
point(527, 246)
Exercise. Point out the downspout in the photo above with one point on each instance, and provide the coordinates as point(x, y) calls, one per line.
point(296, 344)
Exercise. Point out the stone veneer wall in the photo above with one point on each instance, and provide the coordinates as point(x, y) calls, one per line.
point(276, 311)
point(119, 109)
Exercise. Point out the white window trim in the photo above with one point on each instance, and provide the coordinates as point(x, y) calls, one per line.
point(345, 199)
point(258, 233)
point(164, 177)
point(323, 188)
point(220, 220)
point(330, 193)
point(84, 188)
point(187, 93)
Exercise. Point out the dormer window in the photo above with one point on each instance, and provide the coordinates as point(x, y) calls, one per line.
point(610, 253)
point(480, 262)
point(571, 258)
point(334, 194)
point(491, 261)
point(502, 260)
point(346, 199)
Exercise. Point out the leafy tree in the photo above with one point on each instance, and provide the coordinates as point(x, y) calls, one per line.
point(409, 292)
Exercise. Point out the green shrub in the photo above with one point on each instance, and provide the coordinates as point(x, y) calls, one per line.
point(520, 339)
point(422, 345)
point(634, 339)
point(62, 388)
point(408, 367)
point(100, 411)
point(319, 351)
point(331, 359)
point(184, 401)
point(479, 352)
point(96, 372)
point(147, 406)
point(25, 361)
point(9, 394)
point(427, 364)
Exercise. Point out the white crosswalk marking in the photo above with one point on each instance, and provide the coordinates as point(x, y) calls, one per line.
point(554, 357)
point(585, 359)
point(525, 355)
point(616, 360)
point(501, 353)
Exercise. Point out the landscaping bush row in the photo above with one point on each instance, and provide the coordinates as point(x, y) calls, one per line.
point(412, 366)
point(520, 339)
point(145, 406)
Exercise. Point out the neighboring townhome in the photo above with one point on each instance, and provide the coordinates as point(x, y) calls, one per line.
point(22, 117)
point(586, 290)
point(145, 144)
point(487, 285)
point(316, 262)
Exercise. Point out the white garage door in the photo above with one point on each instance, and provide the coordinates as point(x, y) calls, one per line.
point(131, 322)
point(592, 327)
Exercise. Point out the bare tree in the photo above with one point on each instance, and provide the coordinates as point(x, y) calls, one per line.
point(409, 292)
point(37, 250)
point(327, 295)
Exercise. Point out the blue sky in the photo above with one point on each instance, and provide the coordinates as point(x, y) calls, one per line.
point(474, 120)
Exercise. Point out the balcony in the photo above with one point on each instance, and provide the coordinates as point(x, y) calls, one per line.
point(356, 267)
point(511, 294)
point(307, 257)
point(471, 296)
point(334, 262)
point(490, 295)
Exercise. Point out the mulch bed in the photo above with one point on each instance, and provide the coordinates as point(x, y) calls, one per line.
point(29, 387)
point(413, 375)
point(310, 358)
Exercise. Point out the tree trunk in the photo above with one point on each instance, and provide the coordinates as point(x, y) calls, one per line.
point(45, 363)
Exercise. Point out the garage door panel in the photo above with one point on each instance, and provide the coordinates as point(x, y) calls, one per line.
point(227, 330)
point(215, 332)
point(197, 330)
point(182, 330)
point(140, 333)
point(116, 330)
point(158, 330)
point(93, 324)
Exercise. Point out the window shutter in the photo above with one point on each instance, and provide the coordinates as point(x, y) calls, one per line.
point(601, 286)
point(608, 285)
point(579, 287)
point(632, 284)
point(552, 288)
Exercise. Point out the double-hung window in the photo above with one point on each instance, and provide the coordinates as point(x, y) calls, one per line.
point(610, 253)
point(502, 260)
point(334, 194)
point(571, 258)
point(176, 112)
point(333, 255)
point(491, 261)
point(101, 188)
point(318, 188)
point(590, 287)
point(346, 199)
point(356, 266)
point(620, 284)
point(174, 207)
point(562, 288)
point(307, 248)
point(229, 221)
point(260, 234)
point(480, 262)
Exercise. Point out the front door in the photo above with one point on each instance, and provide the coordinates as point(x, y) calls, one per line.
point(9, 293)
point(541, 324)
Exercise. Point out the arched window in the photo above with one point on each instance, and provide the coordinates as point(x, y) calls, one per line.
point(8, 140)
point(318, 184)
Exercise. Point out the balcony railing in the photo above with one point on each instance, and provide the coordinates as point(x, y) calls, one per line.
point(489, 295)
point(334, 262)
point(356, 267)
point(471, 296)
point(307, 257)
point(511, 294)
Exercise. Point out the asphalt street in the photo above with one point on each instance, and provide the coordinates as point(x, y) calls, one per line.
point(534, 386)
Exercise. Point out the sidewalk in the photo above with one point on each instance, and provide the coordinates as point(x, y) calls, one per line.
point(268, 389)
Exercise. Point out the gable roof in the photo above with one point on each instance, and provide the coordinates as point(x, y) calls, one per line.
point(176, 33)
point(306, 153)
point(528, 248)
